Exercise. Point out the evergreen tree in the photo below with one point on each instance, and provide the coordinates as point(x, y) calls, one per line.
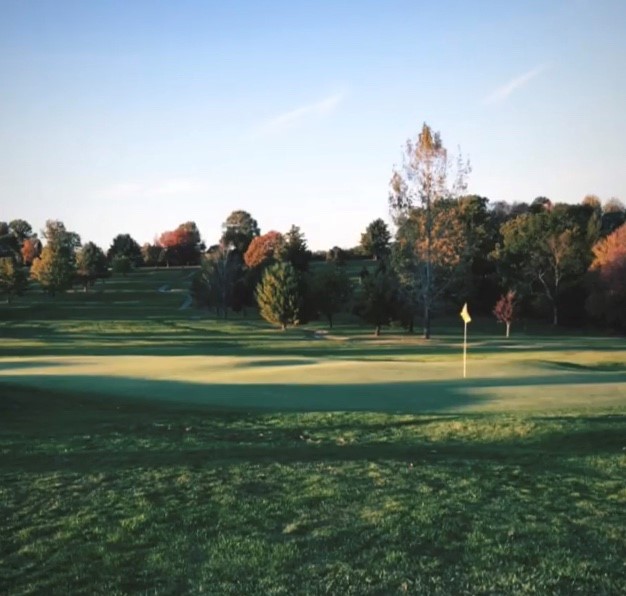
point(294, 249)
point(280, 295)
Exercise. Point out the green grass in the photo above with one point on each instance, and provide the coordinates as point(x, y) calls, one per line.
point(147, 449)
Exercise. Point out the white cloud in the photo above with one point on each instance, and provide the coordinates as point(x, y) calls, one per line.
point(502, 92)
point(292, 117)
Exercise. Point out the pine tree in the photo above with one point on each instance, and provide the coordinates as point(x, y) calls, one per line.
point(280, 296)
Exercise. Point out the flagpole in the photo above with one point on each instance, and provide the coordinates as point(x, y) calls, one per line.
point(465, 350)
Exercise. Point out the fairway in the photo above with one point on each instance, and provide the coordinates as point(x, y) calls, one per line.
point(149, 448)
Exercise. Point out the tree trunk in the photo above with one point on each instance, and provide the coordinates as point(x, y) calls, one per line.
point(330, 321)
point(508, 329)
point(411, 325)
point(377, 332)
point(428, 288)
point(555, 315)
point(283, 326)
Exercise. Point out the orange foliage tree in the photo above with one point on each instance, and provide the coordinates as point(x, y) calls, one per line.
point(263, 248)
point(607, 277)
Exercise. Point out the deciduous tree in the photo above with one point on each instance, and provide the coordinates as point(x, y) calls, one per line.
point(31, 249)
point(264, 249)
point(126, 245)
point(121, 265)
point(183, 245)
point(55, 268)
point(424, 180)
point(540, 253)
point(378, 300)
point(216, 283)
point(91, 264)
point(504, 310)
point(332, 291)
point(238, 230)
point(607, 279)
point(13, 278)
point(375, 240)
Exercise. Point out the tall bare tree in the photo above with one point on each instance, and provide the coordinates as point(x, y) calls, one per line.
point(426, 178)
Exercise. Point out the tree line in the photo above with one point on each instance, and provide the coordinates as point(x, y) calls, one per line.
point(558, 262)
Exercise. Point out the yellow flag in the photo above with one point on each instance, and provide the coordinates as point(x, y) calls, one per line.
point(465, 314)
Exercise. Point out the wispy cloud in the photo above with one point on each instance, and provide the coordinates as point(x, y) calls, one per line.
point(502, 92)
point(288, 119)
point(167, 187)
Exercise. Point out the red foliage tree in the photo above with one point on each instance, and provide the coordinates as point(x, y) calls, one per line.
point(182, 245)
point(263, 248)
point(504, 310)
point(31, 249)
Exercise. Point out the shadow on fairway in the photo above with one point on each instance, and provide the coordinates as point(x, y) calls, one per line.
point(228, 448)
point(399, 397)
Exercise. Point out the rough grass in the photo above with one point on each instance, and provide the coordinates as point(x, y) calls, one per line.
point(145, 449)
point(115, 497)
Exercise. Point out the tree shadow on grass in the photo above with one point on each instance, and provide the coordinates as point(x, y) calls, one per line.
point(430, 396)
point(553, 451)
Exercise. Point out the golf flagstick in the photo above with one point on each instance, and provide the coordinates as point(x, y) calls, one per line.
point(466, 319)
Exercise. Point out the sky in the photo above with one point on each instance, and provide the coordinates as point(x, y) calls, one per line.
point(134, 117)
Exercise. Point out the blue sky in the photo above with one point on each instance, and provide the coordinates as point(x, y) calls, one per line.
point(137, 116)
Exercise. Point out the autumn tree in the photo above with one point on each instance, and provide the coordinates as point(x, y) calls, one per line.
point(424, 180)
point(504, 310)
point(13, 278)
point(332, 291)
point(238, 231)
point(375, 240)
point(31, 249)
point(280, 296)
point(607, 279)
point(182, 245)
point(55, 268)
point(126, 245)
point(432, 267)
point(264, 249)
point(91, 264)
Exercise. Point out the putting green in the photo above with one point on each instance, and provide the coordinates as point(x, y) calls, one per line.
point(508, 382)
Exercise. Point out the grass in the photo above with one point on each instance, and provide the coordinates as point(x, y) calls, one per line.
point(147, 449)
